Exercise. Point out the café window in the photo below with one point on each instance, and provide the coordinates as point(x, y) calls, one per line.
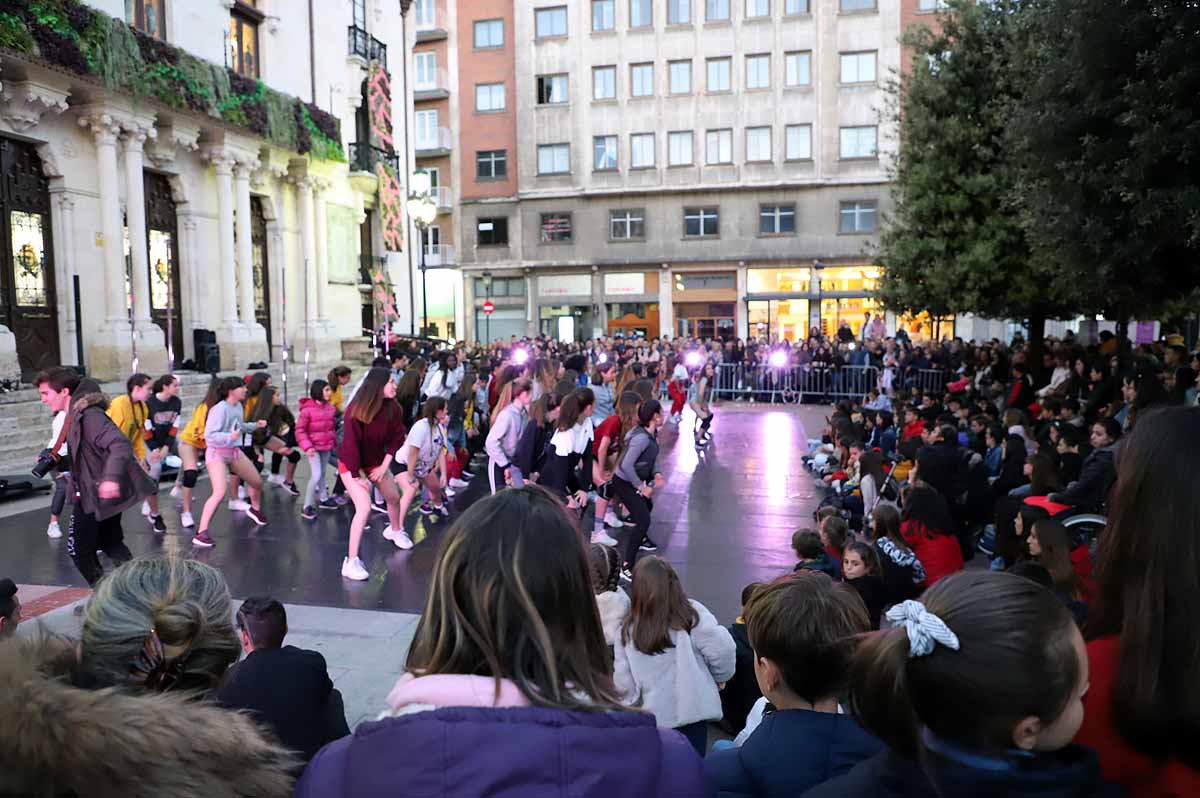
point(556, 228)
point(148, 16)
point(777, 281)
point(244, 19)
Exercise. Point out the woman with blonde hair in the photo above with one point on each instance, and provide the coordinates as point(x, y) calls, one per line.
point(509, 662)
point(158, 633)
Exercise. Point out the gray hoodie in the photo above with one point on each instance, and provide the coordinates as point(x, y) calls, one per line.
point(505, 434)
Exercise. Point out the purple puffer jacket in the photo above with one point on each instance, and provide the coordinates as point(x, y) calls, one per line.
point(316, 428)
point(526, 752)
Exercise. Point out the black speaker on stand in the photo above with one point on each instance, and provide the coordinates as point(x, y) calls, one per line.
point(208, 354)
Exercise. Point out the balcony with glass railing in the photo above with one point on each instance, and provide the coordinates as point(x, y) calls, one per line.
point(432, 85)
point(439, 256)
point(430, 25)
point(365, 46)
point(433, 143)
point(443, 196)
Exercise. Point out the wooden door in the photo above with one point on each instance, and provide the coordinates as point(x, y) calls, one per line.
point(28, 304)
point(162, 243)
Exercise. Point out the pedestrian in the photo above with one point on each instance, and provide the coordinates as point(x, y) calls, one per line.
point(373, 432)
point(316, 435)
point(636, 479)
point(504, 434)
point(191, 447)
point(424, 459)
point(226, 433)
point(161, 427)
point(106, 478)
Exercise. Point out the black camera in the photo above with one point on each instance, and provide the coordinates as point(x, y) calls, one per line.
point(46, 461)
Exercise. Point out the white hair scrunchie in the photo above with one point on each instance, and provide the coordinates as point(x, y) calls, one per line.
point(923, 627)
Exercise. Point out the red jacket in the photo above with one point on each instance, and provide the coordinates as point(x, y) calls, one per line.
point(1142, 776)
point(316, 427)
point(940, 555)
point(913, 430)
point(364, 446)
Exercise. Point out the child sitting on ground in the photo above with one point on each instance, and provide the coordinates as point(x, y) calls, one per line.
point(810, 554)
point(899, 567)
point(612, 602)
point(804, 629)
point(834, 533)
point(741, 691)
point(860, 570)
point(919, 686)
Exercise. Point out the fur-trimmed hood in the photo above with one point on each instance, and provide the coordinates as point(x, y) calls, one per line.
point(86, 394)
point(60, 740)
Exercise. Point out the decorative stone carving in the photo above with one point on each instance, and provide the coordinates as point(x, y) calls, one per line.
point(104, 127)
point(23, 102)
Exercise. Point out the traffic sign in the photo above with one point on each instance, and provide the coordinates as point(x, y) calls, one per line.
point(488, 307)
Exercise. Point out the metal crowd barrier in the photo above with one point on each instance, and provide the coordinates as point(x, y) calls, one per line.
point(928, 380)
point(765, 383)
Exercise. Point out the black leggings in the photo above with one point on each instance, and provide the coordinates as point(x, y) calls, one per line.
point(639, 510)
point(87, 536)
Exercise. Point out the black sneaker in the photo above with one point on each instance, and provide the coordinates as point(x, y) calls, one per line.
point(426, 509)
point(160, 526)
point(328, 504)
point(626, 573)
point(468, 474)
point(291, 488)
point(308, 513)
point(379, 507)
point(648, 545)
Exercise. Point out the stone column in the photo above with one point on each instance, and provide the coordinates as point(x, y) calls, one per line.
point(105, 130)
point(189, 266)
point(245, 256)
point(666, 306)
point(740, 309)
point(222, 162)
point(135, 219)
point(64, 264)
point(322, 252)
point(306, 304)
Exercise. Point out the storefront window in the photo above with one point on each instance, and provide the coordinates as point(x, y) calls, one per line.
point(778, 319)
point(778, 281)
point(923, 327)
point(849, 278)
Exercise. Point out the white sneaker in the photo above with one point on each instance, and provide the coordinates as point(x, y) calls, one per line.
point(238, 506)
point(604, 539)
point(401, 538)
point(276, 479)
point(175, 491)
point(610, 519)
point(354, 569)
point(146, 508)
point(242, 492)
point(449, 492)
point(53, 531)
point(186, 519)
point(458, 483)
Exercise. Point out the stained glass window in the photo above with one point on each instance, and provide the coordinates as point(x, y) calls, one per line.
point(160, 270)
point(29, 258)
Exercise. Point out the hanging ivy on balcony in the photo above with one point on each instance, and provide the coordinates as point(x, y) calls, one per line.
point(74, 37)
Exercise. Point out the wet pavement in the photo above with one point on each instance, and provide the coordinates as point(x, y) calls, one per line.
point(724, 520)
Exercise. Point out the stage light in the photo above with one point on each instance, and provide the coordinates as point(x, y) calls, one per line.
point(779, 358)
point(520, 356)
point(693, 359)
point(603, 358)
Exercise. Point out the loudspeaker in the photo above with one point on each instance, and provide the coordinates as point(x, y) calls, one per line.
point(201, 337)
point(208, 358)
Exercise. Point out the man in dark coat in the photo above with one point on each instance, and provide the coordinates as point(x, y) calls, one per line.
point(285, 688)
point(105, 478)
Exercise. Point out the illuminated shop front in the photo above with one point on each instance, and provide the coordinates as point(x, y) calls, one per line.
point(786, 303)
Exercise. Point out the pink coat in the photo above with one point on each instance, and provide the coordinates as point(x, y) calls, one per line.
point(316, 428)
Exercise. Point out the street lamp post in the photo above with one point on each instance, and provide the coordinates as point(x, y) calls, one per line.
point(423, 210)
point(817, 266)
point(487, 324)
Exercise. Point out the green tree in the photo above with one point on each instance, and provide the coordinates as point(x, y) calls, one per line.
point(1108, 148)
point(955, 240)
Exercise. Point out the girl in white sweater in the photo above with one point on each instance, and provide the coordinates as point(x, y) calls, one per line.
point(672, 656)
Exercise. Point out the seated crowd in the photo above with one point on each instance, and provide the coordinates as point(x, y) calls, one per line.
point(880, 666)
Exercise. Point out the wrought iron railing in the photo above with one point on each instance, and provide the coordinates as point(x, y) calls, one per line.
point(363, 157)
point(365, 46)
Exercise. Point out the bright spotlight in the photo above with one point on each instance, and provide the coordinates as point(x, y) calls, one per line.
point(692, 359)
point(779, 358)
point(603, 357)
point(520, 356)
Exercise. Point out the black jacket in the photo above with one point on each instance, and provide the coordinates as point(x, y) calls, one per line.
point(942, 466)
point(1096, 478)
point(741, 691)
point(289, 691)
point(886, 775)
point(1072, 772)
point(101, 453)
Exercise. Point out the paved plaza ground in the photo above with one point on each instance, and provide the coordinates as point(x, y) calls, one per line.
point(725, 519)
